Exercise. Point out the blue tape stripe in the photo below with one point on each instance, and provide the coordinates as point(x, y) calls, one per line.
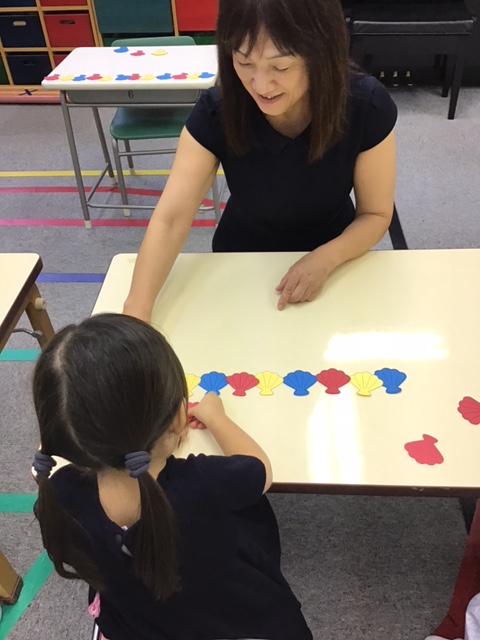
point(71, 277)
point(19, 355)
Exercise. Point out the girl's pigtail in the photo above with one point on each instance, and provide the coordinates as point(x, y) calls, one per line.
point(154, 554)
point(59, 535)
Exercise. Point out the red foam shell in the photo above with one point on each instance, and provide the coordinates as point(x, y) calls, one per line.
point(333, 379)
point(424, 451)
point(242, 382)
point(469, 408)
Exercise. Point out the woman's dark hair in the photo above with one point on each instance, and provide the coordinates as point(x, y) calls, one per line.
point(312, 29)
point(109, 386)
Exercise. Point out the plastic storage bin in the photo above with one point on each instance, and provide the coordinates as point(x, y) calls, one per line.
point(58, 58)
point(142, 17)
point(5, 4)
point(21, 30)
point(28, 68)
point(63, 3)
point(69, 30)
point(193, 15)
point(3, 74)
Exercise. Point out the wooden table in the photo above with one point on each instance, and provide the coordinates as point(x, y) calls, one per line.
point(127, 76)
point(413, 311)
point(19, 293)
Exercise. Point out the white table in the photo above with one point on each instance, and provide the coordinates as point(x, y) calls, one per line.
point(127, 76)
point(19, 293)
point(416, 311)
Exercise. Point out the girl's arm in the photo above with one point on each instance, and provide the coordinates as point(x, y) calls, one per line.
point(192, 174)
point(231, 439)
point(374, 186)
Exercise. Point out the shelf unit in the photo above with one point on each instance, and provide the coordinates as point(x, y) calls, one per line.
point(62, 27)
point(196, 17)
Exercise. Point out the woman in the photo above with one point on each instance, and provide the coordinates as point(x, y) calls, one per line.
point(295, 128)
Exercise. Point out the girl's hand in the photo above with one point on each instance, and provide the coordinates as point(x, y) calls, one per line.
point(207, 411)
point(305, 279)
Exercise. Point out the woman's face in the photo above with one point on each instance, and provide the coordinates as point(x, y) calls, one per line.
point(278, 82)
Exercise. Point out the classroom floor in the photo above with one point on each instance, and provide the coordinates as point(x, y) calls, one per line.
point(364, 568)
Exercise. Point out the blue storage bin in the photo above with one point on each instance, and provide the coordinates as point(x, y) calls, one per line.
point(21, 30)
point(29, 68)
point(142, 16)
point(16, 3)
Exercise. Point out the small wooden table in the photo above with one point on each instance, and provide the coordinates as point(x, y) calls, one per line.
point(414, 311)
point(19, 293)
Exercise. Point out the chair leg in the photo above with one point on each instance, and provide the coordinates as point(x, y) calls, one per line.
point(121, 180)
point(216, 200)
point(457, 76)
point(128, 148)
point(448, 69)
point(396, 232)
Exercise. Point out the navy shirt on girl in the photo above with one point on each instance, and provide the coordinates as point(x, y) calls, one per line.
point(228, 550)
point(280, 202)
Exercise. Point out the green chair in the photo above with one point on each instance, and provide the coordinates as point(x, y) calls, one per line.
point(152, 123)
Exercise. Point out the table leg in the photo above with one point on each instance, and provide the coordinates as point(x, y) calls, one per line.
point(103, 143)
point(10, 582)
point(75, 161)
point(38, 316)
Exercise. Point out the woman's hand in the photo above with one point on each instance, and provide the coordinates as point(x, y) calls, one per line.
point(305, 279)
point(137, 311)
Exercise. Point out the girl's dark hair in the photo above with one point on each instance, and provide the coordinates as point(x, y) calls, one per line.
point(312, 29)
point(109, 386)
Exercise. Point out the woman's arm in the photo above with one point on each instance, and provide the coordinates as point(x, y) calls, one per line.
point(374, 186)
point(192, 174)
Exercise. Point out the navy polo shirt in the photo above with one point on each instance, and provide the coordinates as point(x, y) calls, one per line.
point(228, 552)
point(278, 201)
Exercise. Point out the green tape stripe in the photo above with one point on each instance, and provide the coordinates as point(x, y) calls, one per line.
point(33, 581)
point(19, 355)
point(17, 502)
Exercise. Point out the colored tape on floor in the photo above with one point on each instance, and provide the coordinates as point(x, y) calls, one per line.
point(33, 581)
point(63, 222)
point(71, 277)
point(70, 174)
point(17, 502)
point(19, 355)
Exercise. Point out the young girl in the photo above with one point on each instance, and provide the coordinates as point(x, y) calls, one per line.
point(177, 549)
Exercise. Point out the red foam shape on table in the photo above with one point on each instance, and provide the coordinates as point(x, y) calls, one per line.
point(466, 586)
point(332, 379)
point(469, 408)
point(55, 76)
point(137, 53)
point(242, 382)
point(180, 76)
point(95, 76)
point(424, 451)
point(135, 76)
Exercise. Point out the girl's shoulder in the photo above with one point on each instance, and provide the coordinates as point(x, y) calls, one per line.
point(233, 482)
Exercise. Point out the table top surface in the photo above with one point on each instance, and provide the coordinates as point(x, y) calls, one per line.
point(18, 272)
point(135, 68)
point(415, 312)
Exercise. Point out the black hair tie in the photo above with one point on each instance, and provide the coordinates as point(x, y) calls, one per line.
point(137, 463)
point(43, 464)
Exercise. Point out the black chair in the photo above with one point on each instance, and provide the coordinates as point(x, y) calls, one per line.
point(400, 28)
point(395, 231)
